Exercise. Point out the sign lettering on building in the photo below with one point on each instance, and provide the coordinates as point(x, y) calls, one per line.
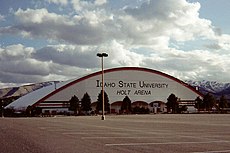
point(134, 87)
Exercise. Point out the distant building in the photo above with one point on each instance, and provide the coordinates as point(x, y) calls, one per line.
point(145, 87)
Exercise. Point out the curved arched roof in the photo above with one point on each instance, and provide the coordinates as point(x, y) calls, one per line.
point(38, 96)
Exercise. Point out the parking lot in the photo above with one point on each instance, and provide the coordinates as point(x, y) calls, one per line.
point(181, 133)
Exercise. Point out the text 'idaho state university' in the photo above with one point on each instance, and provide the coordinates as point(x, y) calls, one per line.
point(138, 84)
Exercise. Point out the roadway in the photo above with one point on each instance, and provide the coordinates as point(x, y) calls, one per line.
point(181, 133)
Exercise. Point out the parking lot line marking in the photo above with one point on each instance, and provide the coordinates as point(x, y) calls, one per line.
point(132, 137)
point(163, 143)
point(73, 133)
point(98, 133)
point(219, 151)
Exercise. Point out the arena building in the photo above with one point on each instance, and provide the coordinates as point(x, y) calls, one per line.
point(145, 88)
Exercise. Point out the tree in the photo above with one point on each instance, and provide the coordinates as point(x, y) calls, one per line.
point(172, 103)
point(29, 110)
point(223, 103)
point(86, 103)
point(198, 103)
point(209, 101)
point(106, 102)
point(74, 104)
point(126, 105)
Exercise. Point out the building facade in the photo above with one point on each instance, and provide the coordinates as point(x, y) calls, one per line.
point(143, 86)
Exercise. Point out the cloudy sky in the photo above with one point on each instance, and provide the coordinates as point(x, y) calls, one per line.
point(59, 39)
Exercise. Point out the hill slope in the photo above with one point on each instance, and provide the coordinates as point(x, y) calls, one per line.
point(22, 90)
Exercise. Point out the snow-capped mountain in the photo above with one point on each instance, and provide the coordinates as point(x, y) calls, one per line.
point(214, 87)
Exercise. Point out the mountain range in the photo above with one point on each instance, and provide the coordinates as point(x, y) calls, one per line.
point(22, 90)
point(215, 88)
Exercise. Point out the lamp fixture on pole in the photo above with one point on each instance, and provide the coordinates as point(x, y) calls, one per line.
point(102, 78)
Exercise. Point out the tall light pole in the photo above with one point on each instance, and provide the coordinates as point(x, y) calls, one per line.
point(102, 78)
point(2, 109)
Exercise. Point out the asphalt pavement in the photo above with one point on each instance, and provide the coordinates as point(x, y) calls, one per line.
point(160, 133)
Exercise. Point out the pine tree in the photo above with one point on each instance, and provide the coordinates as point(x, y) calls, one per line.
point(86, 103)
point(223, 102)
point(106, 102)
point(209, 101)
point(198, 103)
point(172, 103)
point(74, 104)
point(126, 105)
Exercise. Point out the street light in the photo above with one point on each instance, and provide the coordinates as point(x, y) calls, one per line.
point(2, 109)
point(102, 87)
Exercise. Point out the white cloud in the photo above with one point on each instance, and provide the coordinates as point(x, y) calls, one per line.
point(15, 52)
point(82, 5)
point(85, 29)
point(138, 36)
point(119, 55)
point(16, 59)
point(196, 64)
point(20, 64)
point(224, 42)
point(68, 55)
point(145, 25)
point(100, 2)
point(177, 20)
point(2, 17)
point(39, 16)
point(16, 65)
point(62, 2)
